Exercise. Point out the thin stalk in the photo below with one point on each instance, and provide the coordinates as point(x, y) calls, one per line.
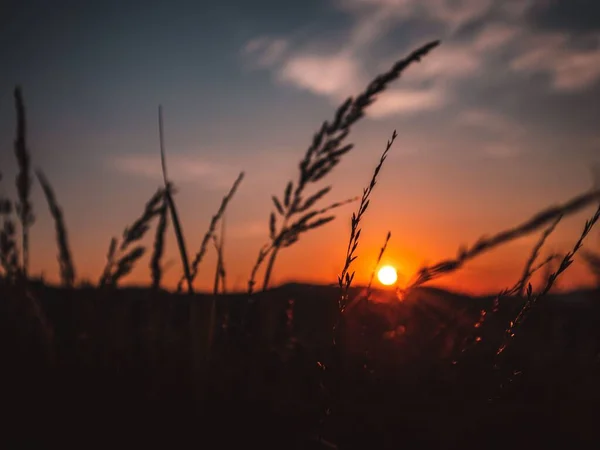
point(172, 208)
point(270, 265)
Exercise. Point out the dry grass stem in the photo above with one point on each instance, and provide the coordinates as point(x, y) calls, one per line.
point(172, 208)
point(533, 298)
point(345, 278)
point(290, 235)
point(159, 245)
point(220, 269)
point(211, 229)
point(24, 180)
point(381, 252)
point(119, 262)
point(9, 252)
point(534, 255)
point(322, 156)
point(67, 269)
point(486, 244)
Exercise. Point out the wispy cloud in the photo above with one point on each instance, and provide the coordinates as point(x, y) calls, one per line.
point(457, 13)
point(264, 51)
point(501, 150)
point(451, 61)
point(490, 121)
point(407, 101)
point(334, 76)
point(338, 74)
point(516, 8)
point(505, 134)
point(451, 13)
point(496, 35)
point(569, 66)
point(183, 168)
point(498, 30)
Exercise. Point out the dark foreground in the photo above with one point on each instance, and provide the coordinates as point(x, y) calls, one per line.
point(135, 368)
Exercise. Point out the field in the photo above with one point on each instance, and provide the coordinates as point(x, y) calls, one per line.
point(127, 361)
point(295, 366)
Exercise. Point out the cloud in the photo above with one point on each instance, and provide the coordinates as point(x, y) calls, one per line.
point(490, 121)
point(570, 68)
point(456, 13)
point(407, 101)
point(425, 86)
point(501, 150)
point(516, 8)
point(265, 51)
point(183, 168)
point(451, 13)
point(495, 35)
point(450, 61)
point(333, 76)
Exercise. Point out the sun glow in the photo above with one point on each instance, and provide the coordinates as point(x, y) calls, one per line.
point(387, 275)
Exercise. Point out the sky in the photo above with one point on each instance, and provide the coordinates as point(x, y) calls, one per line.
point(494, 125)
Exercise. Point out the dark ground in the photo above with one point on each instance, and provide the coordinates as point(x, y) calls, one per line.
point(132, 367)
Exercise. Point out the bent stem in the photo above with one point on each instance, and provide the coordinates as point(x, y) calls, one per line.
point(172, 208)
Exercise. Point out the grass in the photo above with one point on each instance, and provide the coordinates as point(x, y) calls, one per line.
point(262, 363)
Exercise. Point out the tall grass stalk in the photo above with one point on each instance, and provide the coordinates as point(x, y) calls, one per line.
point(345, 278)
point(159, 245)
point(220, 273)
point(534, 255)
point(24, 180)
point(172, 207)
point(532, 298)
point(9, 252)
point(485, 244)
point(119, 261)
point(379, 257)
point(321, 157)
point(211, 229)
point(332, 391)
point(67, 268)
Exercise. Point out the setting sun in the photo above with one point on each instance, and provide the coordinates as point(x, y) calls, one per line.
point(387, 275)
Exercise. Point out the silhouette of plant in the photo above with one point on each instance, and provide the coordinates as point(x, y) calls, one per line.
point(532, 298)
point(24, 207)
point(67, 269)
point(325, 152)
point(159, 244)
point(9, 254)
point(485, 244)
point(345, 278)
point(119, 261)
point(172, 208)
point(211, 229)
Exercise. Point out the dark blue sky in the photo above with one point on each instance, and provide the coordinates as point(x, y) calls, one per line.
point(498, 122)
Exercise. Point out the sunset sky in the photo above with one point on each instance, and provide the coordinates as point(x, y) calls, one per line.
point(496, 124)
